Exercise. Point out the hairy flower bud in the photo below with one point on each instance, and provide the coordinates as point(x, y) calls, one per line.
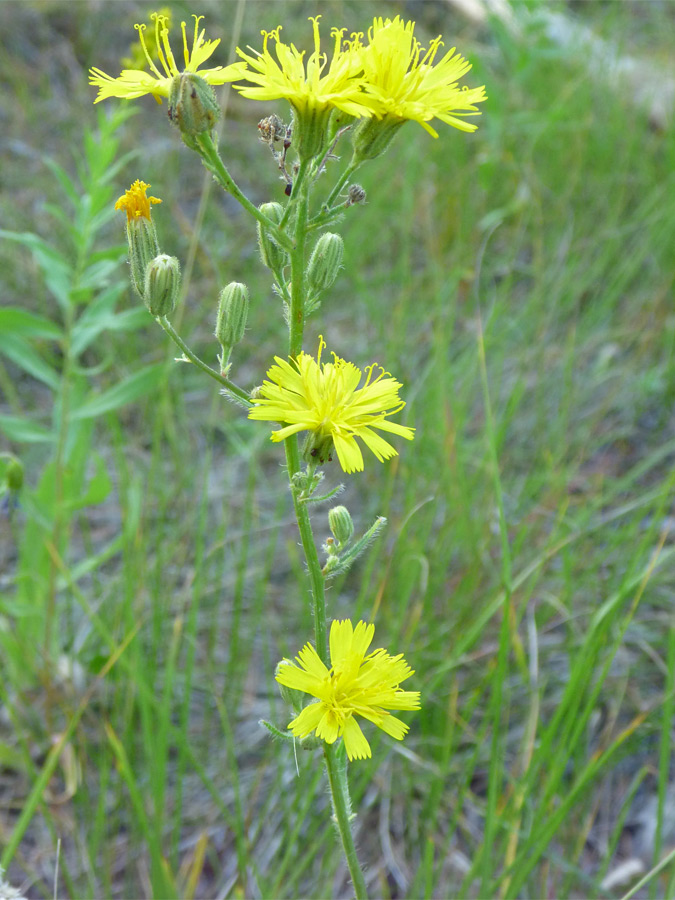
point(14, 474)
point(143, 247)
point(341, 525)
point(193, 105)
point(232, 316)
point(273, 256)
point(162, 285)
point(324, 263)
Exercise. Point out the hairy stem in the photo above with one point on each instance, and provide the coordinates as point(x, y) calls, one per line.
point(211, 158)
point(234, 389)
point(337, 774)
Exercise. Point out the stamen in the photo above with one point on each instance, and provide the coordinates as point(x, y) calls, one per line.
point(159, 20)
point(169, 52)
point(198, 37)
point(186, 52)
point(140, 29)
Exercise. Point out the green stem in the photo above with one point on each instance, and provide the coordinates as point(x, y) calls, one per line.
point(341, 182)
point(337, 774)
point(311, 555)
point(211, 157)
point(234, 389)
point(337, 778)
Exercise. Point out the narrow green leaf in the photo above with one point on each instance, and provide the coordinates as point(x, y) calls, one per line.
point(56, 269)
point(27, 358)
point(19, 321)
point(23, 430)
point(137, 385)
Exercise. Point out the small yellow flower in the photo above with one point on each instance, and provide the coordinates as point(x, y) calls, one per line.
point(132, 83)
point(401, 81)
point(136, 202)
point(356, 685)
point(317, 87)
point(324, 398)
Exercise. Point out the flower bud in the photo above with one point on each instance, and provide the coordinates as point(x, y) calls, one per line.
point(272, 255)
point(162, 285)
point(341, 525)
point(324, 263)
point(290, 696)
point(193, 105)
point(14, 474)
point(232, 315)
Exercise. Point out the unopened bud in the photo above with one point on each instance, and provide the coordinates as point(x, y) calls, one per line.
point(162, 285)
point(272, 255)
point(324, 263)
point(355, 194)
point(193, 105)
point(290, 696)
point(341, 525)
point(232, 314)
point(14, 474)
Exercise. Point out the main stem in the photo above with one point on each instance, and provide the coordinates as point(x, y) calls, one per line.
point(337, 775)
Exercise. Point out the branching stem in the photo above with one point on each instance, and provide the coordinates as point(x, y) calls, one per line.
point(236, 391)
point(337, 774)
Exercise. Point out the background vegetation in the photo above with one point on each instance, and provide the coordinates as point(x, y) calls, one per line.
point(519, 282)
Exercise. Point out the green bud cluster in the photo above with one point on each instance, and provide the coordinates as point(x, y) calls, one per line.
point(272, 255)
point(162, 285)
point(341, 550)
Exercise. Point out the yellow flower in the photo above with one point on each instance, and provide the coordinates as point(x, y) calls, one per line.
point(132, 83)
point(324, 398)
point(356, 685)
point(402, 83)
point(136, 202)
point(319, 86)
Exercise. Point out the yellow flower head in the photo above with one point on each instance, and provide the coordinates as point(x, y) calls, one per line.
point(356, 685)
point(316, 86)
point(401, 81)
point(325, 398)
point(136, 202)
point(132, 83)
